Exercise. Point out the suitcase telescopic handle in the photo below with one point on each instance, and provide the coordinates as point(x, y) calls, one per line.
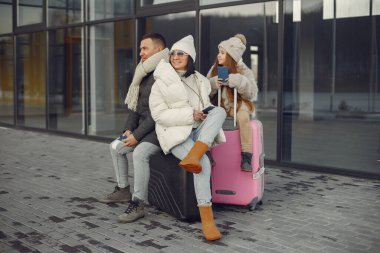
point(235, 102)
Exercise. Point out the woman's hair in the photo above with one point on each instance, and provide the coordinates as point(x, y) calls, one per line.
point(190, 68)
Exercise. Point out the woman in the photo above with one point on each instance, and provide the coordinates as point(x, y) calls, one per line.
point(241, 78)
point(176, 102)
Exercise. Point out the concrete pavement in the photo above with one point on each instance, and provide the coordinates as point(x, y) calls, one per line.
point(48, 184)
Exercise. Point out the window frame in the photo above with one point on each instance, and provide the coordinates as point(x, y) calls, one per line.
point(28, 28)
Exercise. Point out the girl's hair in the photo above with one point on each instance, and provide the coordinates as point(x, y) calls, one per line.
point(190, 69)
point(231, 64)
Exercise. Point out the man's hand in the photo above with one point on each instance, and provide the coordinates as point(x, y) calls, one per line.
point(130, 141)
point(127, 133)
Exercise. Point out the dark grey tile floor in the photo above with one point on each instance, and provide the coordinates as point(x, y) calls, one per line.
point(48, 184)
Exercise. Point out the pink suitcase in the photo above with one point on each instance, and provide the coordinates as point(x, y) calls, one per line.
point(231, 185)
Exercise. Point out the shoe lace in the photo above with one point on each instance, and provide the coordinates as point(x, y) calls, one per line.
point(132, 206)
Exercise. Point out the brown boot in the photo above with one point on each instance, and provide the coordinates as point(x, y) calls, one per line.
point(210, 231)
point(191, 161)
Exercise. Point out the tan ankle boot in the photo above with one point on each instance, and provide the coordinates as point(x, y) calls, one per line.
point(191, 161)
point(210, 231)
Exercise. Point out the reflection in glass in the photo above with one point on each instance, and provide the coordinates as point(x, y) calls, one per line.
point(154, 2)
point(29, 12)
point(257, 23)
point(328, 9)
point(66, 80)
point(172, 26)
point(111, 72)
point(30, 79)
point(207, 2)
point(352, 8)
point(331, 90)
point(101, 9)
point(64, 12)
point(6, 80)
point(375, 7)
point(296, 10)
point(6, 16)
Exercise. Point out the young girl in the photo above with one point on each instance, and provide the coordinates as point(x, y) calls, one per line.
point(241, 78)
point(177, 99)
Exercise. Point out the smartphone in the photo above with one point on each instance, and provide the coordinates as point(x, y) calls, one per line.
point(207, 109)
point(223, 73)
point(122, 137)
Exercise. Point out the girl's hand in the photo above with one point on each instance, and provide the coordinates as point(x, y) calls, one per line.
point(234, 80)
point(221, 83)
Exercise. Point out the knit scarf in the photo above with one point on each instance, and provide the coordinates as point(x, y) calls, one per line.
point(142, 69)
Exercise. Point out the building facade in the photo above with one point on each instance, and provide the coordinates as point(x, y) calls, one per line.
point(66, 65)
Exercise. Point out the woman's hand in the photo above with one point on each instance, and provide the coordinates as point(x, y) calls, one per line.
point(199, 115)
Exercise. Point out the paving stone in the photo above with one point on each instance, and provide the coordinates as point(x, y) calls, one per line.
point(47, 204)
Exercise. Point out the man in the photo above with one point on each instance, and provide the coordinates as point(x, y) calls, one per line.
point(141, 138)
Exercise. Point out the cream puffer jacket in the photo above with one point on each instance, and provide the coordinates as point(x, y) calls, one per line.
point(171, 108)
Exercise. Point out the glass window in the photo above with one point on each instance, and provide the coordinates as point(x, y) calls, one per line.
point(155, 2)
point(352, 8)
point(207, 2)
point(66, 80)
point(64, 12)
point(6, 80)
point(30, 79)
point(258, 23)
point(111, 72)
point(331, 90)
point(328, 9)
point(29, 12)
point(101, 9)
point(6, 16)
point(172, 26)
point(375, 7)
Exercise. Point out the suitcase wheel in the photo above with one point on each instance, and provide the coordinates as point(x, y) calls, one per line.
point(252, 206)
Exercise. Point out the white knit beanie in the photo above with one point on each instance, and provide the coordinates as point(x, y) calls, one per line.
point(185, 44)
point(235, 46)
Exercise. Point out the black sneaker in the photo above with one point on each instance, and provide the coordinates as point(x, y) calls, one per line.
point(135, 211)
point(246, 159)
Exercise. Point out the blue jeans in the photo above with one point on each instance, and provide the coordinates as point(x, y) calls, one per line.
point(141, 156)
point(206, 133)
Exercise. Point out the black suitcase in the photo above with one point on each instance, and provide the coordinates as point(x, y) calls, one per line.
point(171, 188)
